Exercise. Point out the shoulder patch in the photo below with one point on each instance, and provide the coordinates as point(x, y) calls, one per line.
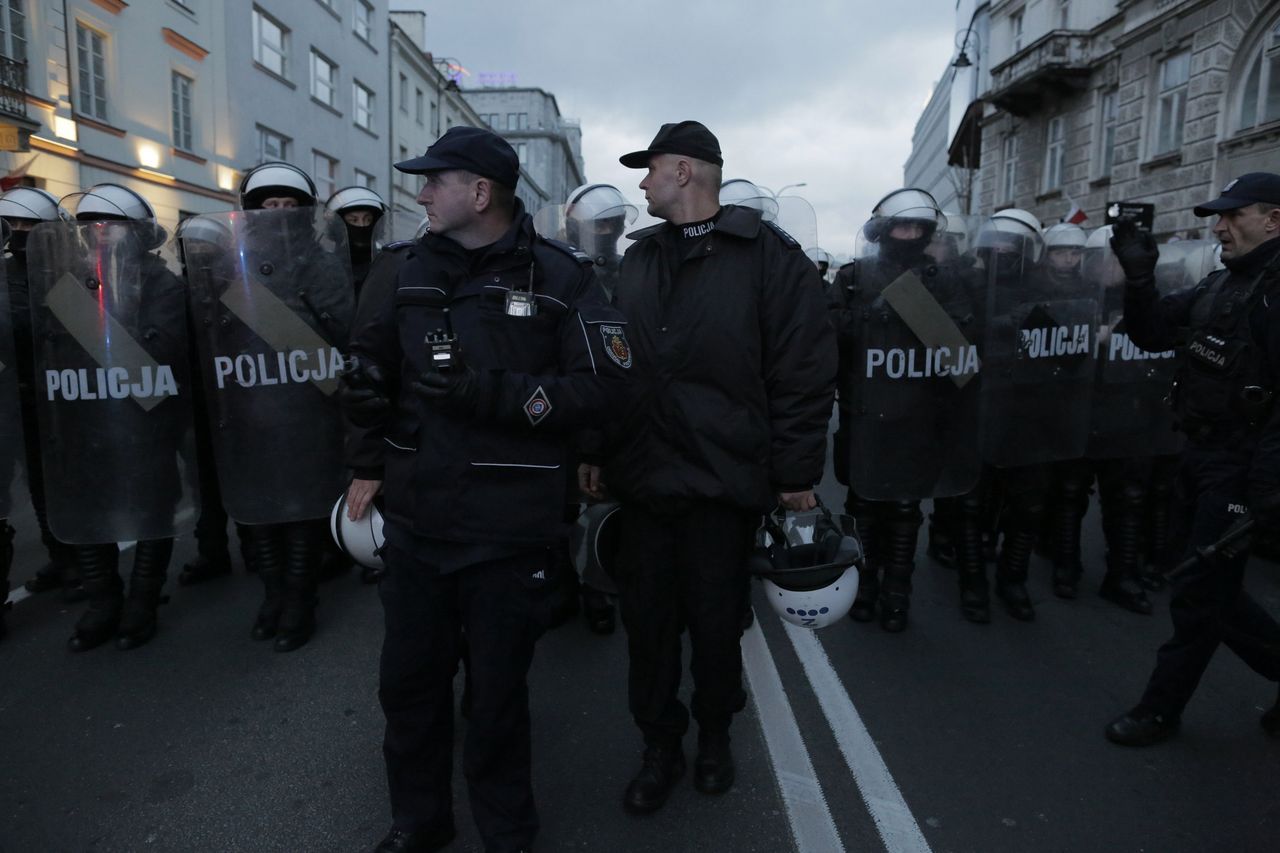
point(787, 240)
point(570, 250)
point(397, 246)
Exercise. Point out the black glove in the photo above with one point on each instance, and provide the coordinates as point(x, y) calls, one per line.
point(1136, 251)
point(461, 391)
point(362, 393)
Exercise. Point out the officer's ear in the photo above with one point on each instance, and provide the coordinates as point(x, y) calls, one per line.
point(1271, 214)
point(684, 172)
point(482, 195)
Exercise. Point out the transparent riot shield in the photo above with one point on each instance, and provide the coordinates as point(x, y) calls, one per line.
point(1131, 415)
point(1039, 366)
point(796, 217)
point(912, 373)
point(113, 390)
point(595, 222)
point(11, 445)
point(273, 301)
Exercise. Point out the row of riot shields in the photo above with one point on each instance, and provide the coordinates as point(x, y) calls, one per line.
point(248, 309)
point(970, 350)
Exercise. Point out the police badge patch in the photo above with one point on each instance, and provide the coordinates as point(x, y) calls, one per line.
point(615, 344)
point(537, 407)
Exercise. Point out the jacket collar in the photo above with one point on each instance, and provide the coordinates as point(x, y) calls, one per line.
point(510, 249)
point(735, 221)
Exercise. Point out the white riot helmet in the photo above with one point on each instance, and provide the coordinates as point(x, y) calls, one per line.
point(356, 198)
point(1100, 264)
point(1099, 239)
point(905, 205)
point(595, 218)
point(110, 201)
point(743, 193)
point(602, 523)
point(1064, 235)
point(275, 179)
point(31, 203)
point(1012, 231)
point(361, 540)
point(808, 563)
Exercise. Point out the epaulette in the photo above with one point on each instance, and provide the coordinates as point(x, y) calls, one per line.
point(787, 240)
point(646, 232)
point(570, 250)
point(398, 245)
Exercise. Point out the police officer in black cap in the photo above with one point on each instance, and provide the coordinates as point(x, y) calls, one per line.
point(471, 377)
point(1227, 329)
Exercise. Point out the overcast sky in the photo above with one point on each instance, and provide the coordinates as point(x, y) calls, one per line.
point(825, 92)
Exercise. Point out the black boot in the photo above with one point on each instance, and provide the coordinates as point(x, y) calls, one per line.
point(301, 576)
point(205, 567)
point(866, 516)
point(6, 561)
point(1065, 517)
point(98, 566)
point(713, 771)
point(264, 544)
point(138, 618)
point(372, 574)
point(864, 603)
point(1011, 574)
point(942, 530)
point(597, 609)
point(648, 791)
point(901, 534)
point(1122, 515)
point(975, 602)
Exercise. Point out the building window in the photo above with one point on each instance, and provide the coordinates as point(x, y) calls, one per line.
point(325, 172)
point(180, 86)
point(270, 43)
point(522, 151)
point(271, 145)
point(418, 101)
point(363, 11)
point(324, 79)
point(364, 179)
point(404, 94)
point(1064, 14)
point(1107, 136)
point(1055, 151)
point(435, 118)
point(1009, 173)
point(1171, 108)
point(13, 30)
point(1015, 24)
point(92, 71)
point(1261, 100)
point(517, 121)
point(362, 97)
point(404, 178)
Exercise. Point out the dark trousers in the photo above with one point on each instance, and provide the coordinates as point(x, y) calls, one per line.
point(681, 570)
point(1209, 605)
point(502, 608)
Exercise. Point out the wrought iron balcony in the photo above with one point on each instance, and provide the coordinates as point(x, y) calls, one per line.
point(13, 88)
point(1058, 63)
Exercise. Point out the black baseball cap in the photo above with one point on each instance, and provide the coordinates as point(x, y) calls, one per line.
point(1249, 188)
point(690, 138)
point(471, 148)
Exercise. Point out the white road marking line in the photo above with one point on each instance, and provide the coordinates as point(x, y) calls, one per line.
point(811, 824)
point(894, 821)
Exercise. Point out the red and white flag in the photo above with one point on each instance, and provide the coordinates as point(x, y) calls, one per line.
point(1076, 214)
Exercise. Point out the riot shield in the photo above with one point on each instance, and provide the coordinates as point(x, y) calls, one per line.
point(597, 230)
point(273, 303)
point(1131, 414)
point(113, 390)
point(796, 217)
point(911, 375)
point(1039, 353)
point(10, 407)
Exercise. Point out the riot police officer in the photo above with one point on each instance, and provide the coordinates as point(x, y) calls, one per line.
point(1227, 330)
point(472, 374)
point(22, 209)
point(362, 211)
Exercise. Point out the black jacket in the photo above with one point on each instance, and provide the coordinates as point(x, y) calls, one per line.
point(735, 364)
point(502, 476)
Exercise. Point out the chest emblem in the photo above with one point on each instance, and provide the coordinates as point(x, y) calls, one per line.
point(615, 344)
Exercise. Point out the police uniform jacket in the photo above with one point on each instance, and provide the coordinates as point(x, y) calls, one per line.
point(735, 364)
point(500, 477)
point(1242, 307)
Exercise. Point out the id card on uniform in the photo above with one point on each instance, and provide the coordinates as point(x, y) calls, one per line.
point(521, 304)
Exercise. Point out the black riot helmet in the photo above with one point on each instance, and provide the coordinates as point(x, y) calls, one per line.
point(903, 223)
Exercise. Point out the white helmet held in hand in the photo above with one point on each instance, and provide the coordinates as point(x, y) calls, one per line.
point(361, 540)
point(808, 563)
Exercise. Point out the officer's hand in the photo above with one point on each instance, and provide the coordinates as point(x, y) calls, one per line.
point(1135, 249)
point(797, 501)
point(589, 482)
point(359, 495)
point(458, 392)
point(362, 393)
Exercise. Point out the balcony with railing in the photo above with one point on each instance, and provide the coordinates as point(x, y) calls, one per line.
point(1056, 64)
point(13, 88)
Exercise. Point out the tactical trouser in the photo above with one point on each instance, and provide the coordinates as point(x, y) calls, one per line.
point(889, 531)
point(287, 559)
point(99, 572)
point(1159, 554)
point(1022, 490)
point(1074, 484)
point(961, 517)
point(146, 584)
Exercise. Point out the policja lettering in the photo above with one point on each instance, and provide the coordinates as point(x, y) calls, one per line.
point(1055, 341)
point(1123, 349)
point(905, 363)
point(292, 366)
point(694, 230)
point(110, 383)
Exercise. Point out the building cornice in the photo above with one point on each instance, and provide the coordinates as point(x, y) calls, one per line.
point(115, 7)
point(72, 153)
point(1156, 21)
point(182, 44)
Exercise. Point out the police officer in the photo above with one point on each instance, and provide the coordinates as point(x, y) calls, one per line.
point(22, 209)
point(736, 365)
point(1227, 328)
point(361, 210)
point(471, 376)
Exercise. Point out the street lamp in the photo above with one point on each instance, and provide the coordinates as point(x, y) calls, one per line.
point(787, 187)
point(963, 60)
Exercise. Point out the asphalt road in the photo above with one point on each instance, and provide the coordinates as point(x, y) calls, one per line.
point(949, 737)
